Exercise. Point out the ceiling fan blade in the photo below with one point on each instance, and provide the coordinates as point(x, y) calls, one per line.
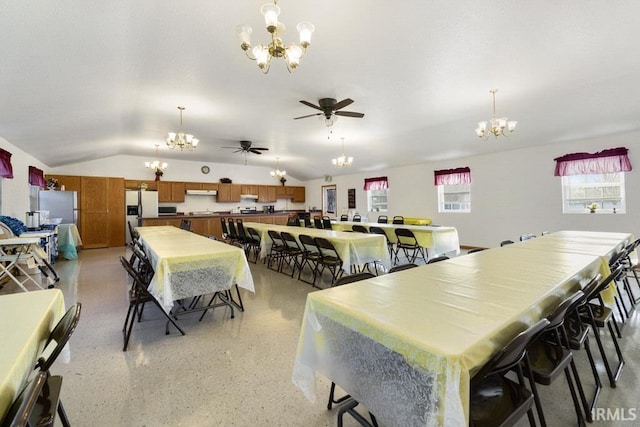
point(308, 115)
point(349, 114)
point(308, 104)
point(343, 103)
point(260, 148)
point(254, 151)
point(228, 147)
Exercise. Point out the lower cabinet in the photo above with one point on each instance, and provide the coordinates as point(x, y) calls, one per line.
point(211, 226)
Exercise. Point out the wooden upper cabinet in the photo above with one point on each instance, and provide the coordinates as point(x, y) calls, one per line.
point(281, 191)
point(209, 185)
point(71, 183)
point(171, 191)
point(249, 189)
point(298, 194)
point(229, 193)
point(267, 194)
point(136, 184)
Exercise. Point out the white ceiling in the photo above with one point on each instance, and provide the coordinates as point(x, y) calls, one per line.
point(81, 80)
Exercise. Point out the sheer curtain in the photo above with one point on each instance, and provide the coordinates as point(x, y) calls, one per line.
point(452, 176)
point(605, 161)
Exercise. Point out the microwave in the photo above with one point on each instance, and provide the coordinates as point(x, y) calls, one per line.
point(167, 210)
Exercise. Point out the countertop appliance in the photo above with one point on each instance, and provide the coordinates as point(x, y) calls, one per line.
point(60, 204)
point(248, 211)
point(138, 205)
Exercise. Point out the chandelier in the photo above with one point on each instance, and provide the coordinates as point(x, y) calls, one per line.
point(278, 173)
point(342, 160)
point(157, 167)
point(181, 139)
point(495, 126)
point(262, 54)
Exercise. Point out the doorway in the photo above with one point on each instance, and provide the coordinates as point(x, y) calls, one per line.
point(329, 203)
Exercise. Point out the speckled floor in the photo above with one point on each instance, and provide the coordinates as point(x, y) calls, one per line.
point(230, 372)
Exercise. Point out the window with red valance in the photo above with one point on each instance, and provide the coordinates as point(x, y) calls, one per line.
point(6, 169)
point(379, 183)
point(36, 176)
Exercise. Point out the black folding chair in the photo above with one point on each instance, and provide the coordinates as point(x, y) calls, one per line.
point(383, 219)
point(326, 223)
point(277, 250)
point(22, 410)
point(329, 258)
point(409, 244)
point(292, 251)
point(357, 218)
point(359, 228)
point(398, 219)
point(310, 257)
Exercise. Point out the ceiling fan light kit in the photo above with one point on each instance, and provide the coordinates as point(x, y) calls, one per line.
point(263, 54)
point(180, 139)
point(495, 126)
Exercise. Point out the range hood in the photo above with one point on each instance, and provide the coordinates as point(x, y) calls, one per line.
point(249, 196)
point(202, 192)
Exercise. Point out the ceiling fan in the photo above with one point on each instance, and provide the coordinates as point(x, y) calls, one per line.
point(245, 147)
point(330, 107)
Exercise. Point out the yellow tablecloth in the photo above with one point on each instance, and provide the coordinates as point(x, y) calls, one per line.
point(417, 221)
point(406, 344)
point(437, 240)
point(353, 248)
point(188, 265)
point(26, 321)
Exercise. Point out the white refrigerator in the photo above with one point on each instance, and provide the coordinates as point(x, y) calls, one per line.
point(138, 205)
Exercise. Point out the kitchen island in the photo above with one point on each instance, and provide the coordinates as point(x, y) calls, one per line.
point(209, 224)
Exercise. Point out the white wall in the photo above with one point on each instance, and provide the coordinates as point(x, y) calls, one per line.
point(132, 167)
point(15, 192)
point(513, 192)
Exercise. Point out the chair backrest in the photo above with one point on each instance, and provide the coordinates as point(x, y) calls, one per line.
point(19, 413)
point(185, 224)
point(557, 317)
point(405, 236)
point(402, 267)
point(232, 228)
point(593, 289)
point(326, 223)
point(506, 242)
point(132, 232)
point(359, 228)
point(438, 259)
point(240, 228)
point(357, 218)
point(326, 248)
point(354, 278)
point(308, 244)
point(398, 219)
point(474, 250)
point(378, 230)
point(60, 335)
point(511, 354)
point(317, 222)
point(289, 240)
point(142, 264)
point(344, 217)
point(527, 237)
point(255, 236)
point(293, 221)
point(276, 239)
point(383, 219)
point(225, 230)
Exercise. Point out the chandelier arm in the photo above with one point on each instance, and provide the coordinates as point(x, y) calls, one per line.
point(250, 55)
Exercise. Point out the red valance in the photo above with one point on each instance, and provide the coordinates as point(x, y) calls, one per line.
point(605, 161)
point(379, 183)
point(36, 176)
point(452, 176)
point(6, 170)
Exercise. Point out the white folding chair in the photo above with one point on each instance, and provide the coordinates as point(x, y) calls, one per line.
point(18, 252)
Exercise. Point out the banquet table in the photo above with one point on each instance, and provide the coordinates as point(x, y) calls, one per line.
point(355, 249)
point(405, 345)
point(27, 319)
point(68, 240)
point(437, 240)
point(189, 265)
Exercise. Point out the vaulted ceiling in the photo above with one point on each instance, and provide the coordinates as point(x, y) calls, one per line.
point(81, 80)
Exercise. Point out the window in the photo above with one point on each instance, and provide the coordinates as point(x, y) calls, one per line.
point(605, 190)
point(454, 189)
point(377, 200)
point(454, 198)
point(593, 182)
point(376, 189)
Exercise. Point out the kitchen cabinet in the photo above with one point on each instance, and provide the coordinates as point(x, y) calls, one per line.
point(298, 194)
point(229, 193)
point(135, 184)
point(200, 186)
point(249, 189)
point(267, 194)
point(171, 192)
point(102, 212)
point(209, 185)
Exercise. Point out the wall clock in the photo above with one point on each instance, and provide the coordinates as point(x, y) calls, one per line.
point(205, 169)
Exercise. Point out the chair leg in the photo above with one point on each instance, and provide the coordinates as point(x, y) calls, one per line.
point(596, 378)
point(63, 415)
point(534, 390)
point(332, 399)
point(572, 390)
